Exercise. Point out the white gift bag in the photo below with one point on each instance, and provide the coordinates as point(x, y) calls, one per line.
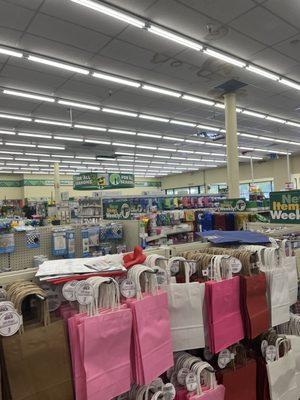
point(186, 302)
point(295, 342)
point(290, 264)
point(282, 374)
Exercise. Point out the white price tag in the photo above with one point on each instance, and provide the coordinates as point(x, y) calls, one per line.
point(235, 264)
point(182, 373)
point(10, 322)
point(68, 290)
point(53, 300)
point(3, 294)
point(224, 358)
point(169, 391)
point(191, 381)
point(84, 293)
point(161, 275)
point(174, 268)
point(271, 353)
point(6, 306)
point(128, 289)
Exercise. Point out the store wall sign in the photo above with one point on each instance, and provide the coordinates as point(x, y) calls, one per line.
point(285, 207)
point(117, 209)
point(233, 204)
point(95, 181)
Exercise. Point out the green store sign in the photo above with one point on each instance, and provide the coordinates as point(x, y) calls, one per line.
point(285, 207)
point(233, 204)
point(117, 209)
point(96, 181)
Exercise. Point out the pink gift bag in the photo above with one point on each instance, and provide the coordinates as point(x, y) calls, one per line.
point(212, 391)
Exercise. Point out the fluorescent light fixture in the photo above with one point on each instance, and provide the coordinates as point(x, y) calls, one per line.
point(70, 162)
point(123, 144)
point(254, 114)
point(50, 122)
point(158, 156)
point(122, 153)
point(265, 138)
point(209, 128)
point(220, 105)
point(253, 157)
point(173, 138)
point(94, 141)
point(8, 52)
point(119, 112)
point(28, 95)
point(116, 79)
point(69, 139)
point(291, 123)
point(90, 127)
point(17, 164)
point(274, 119)
point(149, 135)
point(289, 83)
point(238, 110)
point(11, 152)
point(16, 117)
point(112, 12)
point(153, 118)
point(165, 149)
point(198, 100)
point(11, 133)
point(185, 151)
point(248, 135)
point(178, 158)
point(58, 64)
point(175, 38)
point(143, 155)
point(224, 57)
point(35, 135)
point(17, 144)
point(122, 131)
point(25, 159)
point(61, 156)
point(160, 90)
point(262, 72)
point(280, 141)
point(215, 144)
point(49, 161)
point(78, 105)
point(85, 158)
point(49, 146)
point(146, 147)
point(205, 153)
point(193, 141)
point(183, 123)
point(158, 162)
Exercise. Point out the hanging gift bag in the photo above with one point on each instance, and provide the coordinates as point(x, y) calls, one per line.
point(282, 373)
point(186, 302)
point(295, 344)
point(211, 391)
point(152, 341)
point(223, 309)
point(36, 360)
point(289, 263)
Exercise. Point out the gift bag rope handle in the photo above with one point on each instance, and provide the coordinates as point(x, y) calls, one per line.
point(282, 248)
point(151, 282)
point(198, 369)
point(151, 386)
point(151, 261)
point(186, 265)
point(158, 395)
point(282, 342)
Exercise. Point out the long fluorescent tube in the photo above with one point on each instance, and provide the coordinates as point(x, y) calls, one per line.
point(116, 79)
point(226, 58)
point(78, 105)
point(220, 105)
point(185, 151)
point(254, 114)
point(61, 156)
point(58, 64)
point(153, 118)
point(173, 138)
point(9, 52)
point(198, 100)
point(46, 146)
point(279, 120)
point(290, 83)
point(175, 38)
point(16, 117)
point(265, 138)
point(183, 123)
point(193, 141)
point(165, 149)
point(49, 122)
point(160, 90)
point(69, 139)
point(149, 135)
point(10, 133)
point(123, 144)
point(262, 72)
point(112, 12)
point(36, 135)
point(122, 132)
point(19, 144)
point(25, 159)
point(85, 158)
point(119, 112)
point(94, 141)
point(210, 128)
point(146, 147)
point(28, 95)
point(90, 127)
point(11, 152)
point(291, 123)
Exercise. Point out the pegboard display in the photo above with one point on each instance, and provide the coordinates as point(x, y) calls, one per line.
point(22, 257)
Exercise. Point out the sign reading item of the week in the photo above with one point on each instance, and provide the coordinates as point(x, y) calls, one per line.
point(285, 207)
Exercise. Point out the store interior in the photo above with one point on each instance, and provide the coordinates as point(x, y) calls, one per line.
point(149, 199)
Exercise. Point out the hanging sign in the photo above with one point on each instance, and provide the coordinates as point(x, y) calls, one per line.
point(233, 204)
point(97, 181)
point(285, 207)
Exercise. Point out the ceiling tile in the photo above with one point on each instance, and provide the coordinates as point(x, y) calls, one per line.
point(274, 61)
point(31, 4)
point(135, 6)
point(290, 47)
point(262, 25)
point(9, 37)
point(221, 10)
point(14, 17)
point(68, 33)
point(290, 10)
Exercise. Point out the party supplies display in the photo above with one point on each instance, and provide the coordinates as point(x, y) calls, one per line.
point(59, 243)
point(7, 243)
point(33, 240)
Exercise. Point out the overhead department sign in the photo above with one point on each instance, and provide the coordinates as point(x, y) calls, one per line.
point(285, 207)
point(96, 181)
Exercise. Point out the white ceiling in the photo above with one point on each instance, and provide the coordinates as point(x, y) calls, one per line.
point(264, 32)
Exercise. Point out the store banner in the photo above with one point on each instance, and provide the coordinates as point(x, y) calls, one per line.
point(119, 208)
point(233, 204)
point(285, 207)
point(96, 181)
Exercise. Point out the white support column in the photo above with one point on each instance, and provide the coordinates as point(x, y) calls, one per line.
point(288, 167)
point(252, 169)
point(233, 176)
point(56, 184)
